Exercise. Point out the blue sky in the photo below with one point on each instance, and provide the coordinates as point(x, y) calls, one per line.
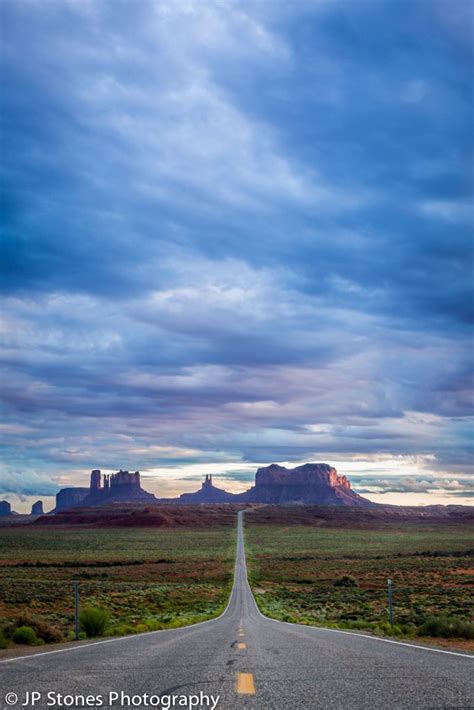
point(237, 233)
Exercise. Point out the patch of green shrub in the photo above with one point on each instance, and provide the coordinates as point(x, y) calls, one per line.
point(446, 627)
point(4, 642)
point(388, 630)
point(44, 629)
point(121, 630)
point(408, 629)
point(72, 636)
point(25, 635)
point(141, 628)
point(93, 621)
point(152, 625)
point(357, 624)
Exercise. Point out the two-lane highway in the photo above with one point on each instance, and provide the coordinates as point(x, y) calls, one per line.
point(249, 661)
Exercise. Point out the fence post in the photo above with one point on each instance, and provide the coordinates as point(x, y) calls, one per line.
point(390, 601)
point(76, 610)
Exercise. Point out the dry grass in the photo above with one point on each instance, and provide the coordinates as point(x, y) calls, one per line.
point(296, 572)
point(146, 578)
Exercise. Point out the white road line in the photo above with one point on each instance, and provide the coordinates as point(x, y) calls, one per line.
point(189, 628)
point(354, 633)
point(371, 638)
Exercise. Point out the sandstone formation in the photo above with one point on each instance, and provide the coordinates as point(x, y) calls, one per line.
point(118, 487)
point(316, 483)
point(69, 498)
point(311, 483)
point(5, 509)
point(208, 493)
point(37, 508)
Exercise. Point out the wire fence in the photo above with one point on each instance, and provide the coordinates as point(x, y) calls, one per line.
point(54, 605)
point(132, 605)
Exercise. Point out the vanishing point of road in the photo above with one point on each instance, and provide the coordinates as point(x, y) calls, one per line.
point(250, 661)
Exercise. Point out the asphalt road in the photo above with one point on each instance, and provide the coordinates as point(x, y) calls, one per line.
point(247, 660)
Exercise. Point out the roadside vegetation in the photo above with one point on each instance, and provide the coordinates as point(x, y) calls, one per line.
point(338, 577)
point(130, 580)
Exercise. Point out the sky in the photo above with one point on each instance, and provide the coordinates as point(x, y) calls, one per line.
point(237, 233)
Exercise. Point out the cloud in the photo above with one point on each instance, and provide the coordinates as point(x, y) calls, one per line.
point(452, 211)
point(27, 483)
point(235, 233)
point(414, 484)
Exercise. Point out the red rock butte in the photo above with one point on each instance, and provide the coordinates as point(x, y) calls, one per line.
point(311, 483)
point(123, 487)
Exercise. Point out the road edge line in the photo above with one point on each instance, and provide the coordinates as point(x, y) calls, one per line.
point(349, 633)
point(130, 637)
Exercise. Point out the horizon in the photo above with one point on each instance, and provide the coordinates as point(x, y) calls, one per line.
point(391, 494)
point(237, 233)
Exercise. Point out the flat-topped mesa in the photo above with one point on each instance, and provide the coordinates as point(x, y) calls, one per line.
point(309, 474)
point(70, 498)
point(310, 483)
point(316, 483)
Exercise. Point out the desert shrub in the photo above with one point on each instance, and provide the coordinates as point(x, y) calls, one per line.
point(93, 621)
point(388, 630)
point(141, 628)
point(4, 642)
point(25, 635)
point(357, 624)
point(43, 629)
point(72, 636)
point(408, 629)
point(446, 627)
point(153, 624)
point(121, 630)
point(347, 580)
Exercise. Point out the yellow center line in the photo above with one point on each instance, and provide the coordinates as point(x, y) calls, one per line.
point(241, 645)
point(244, 684)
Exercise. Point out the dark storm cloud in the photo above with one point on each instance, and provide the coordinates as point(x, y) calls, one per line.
point(28, 484)
point(235, 229)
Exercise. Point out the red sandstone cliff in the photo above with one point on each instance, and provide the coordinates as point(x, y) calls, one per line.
point(316, 483)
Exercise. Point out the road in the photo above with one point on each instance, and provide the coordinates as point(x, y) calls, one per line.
point(249, 661)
